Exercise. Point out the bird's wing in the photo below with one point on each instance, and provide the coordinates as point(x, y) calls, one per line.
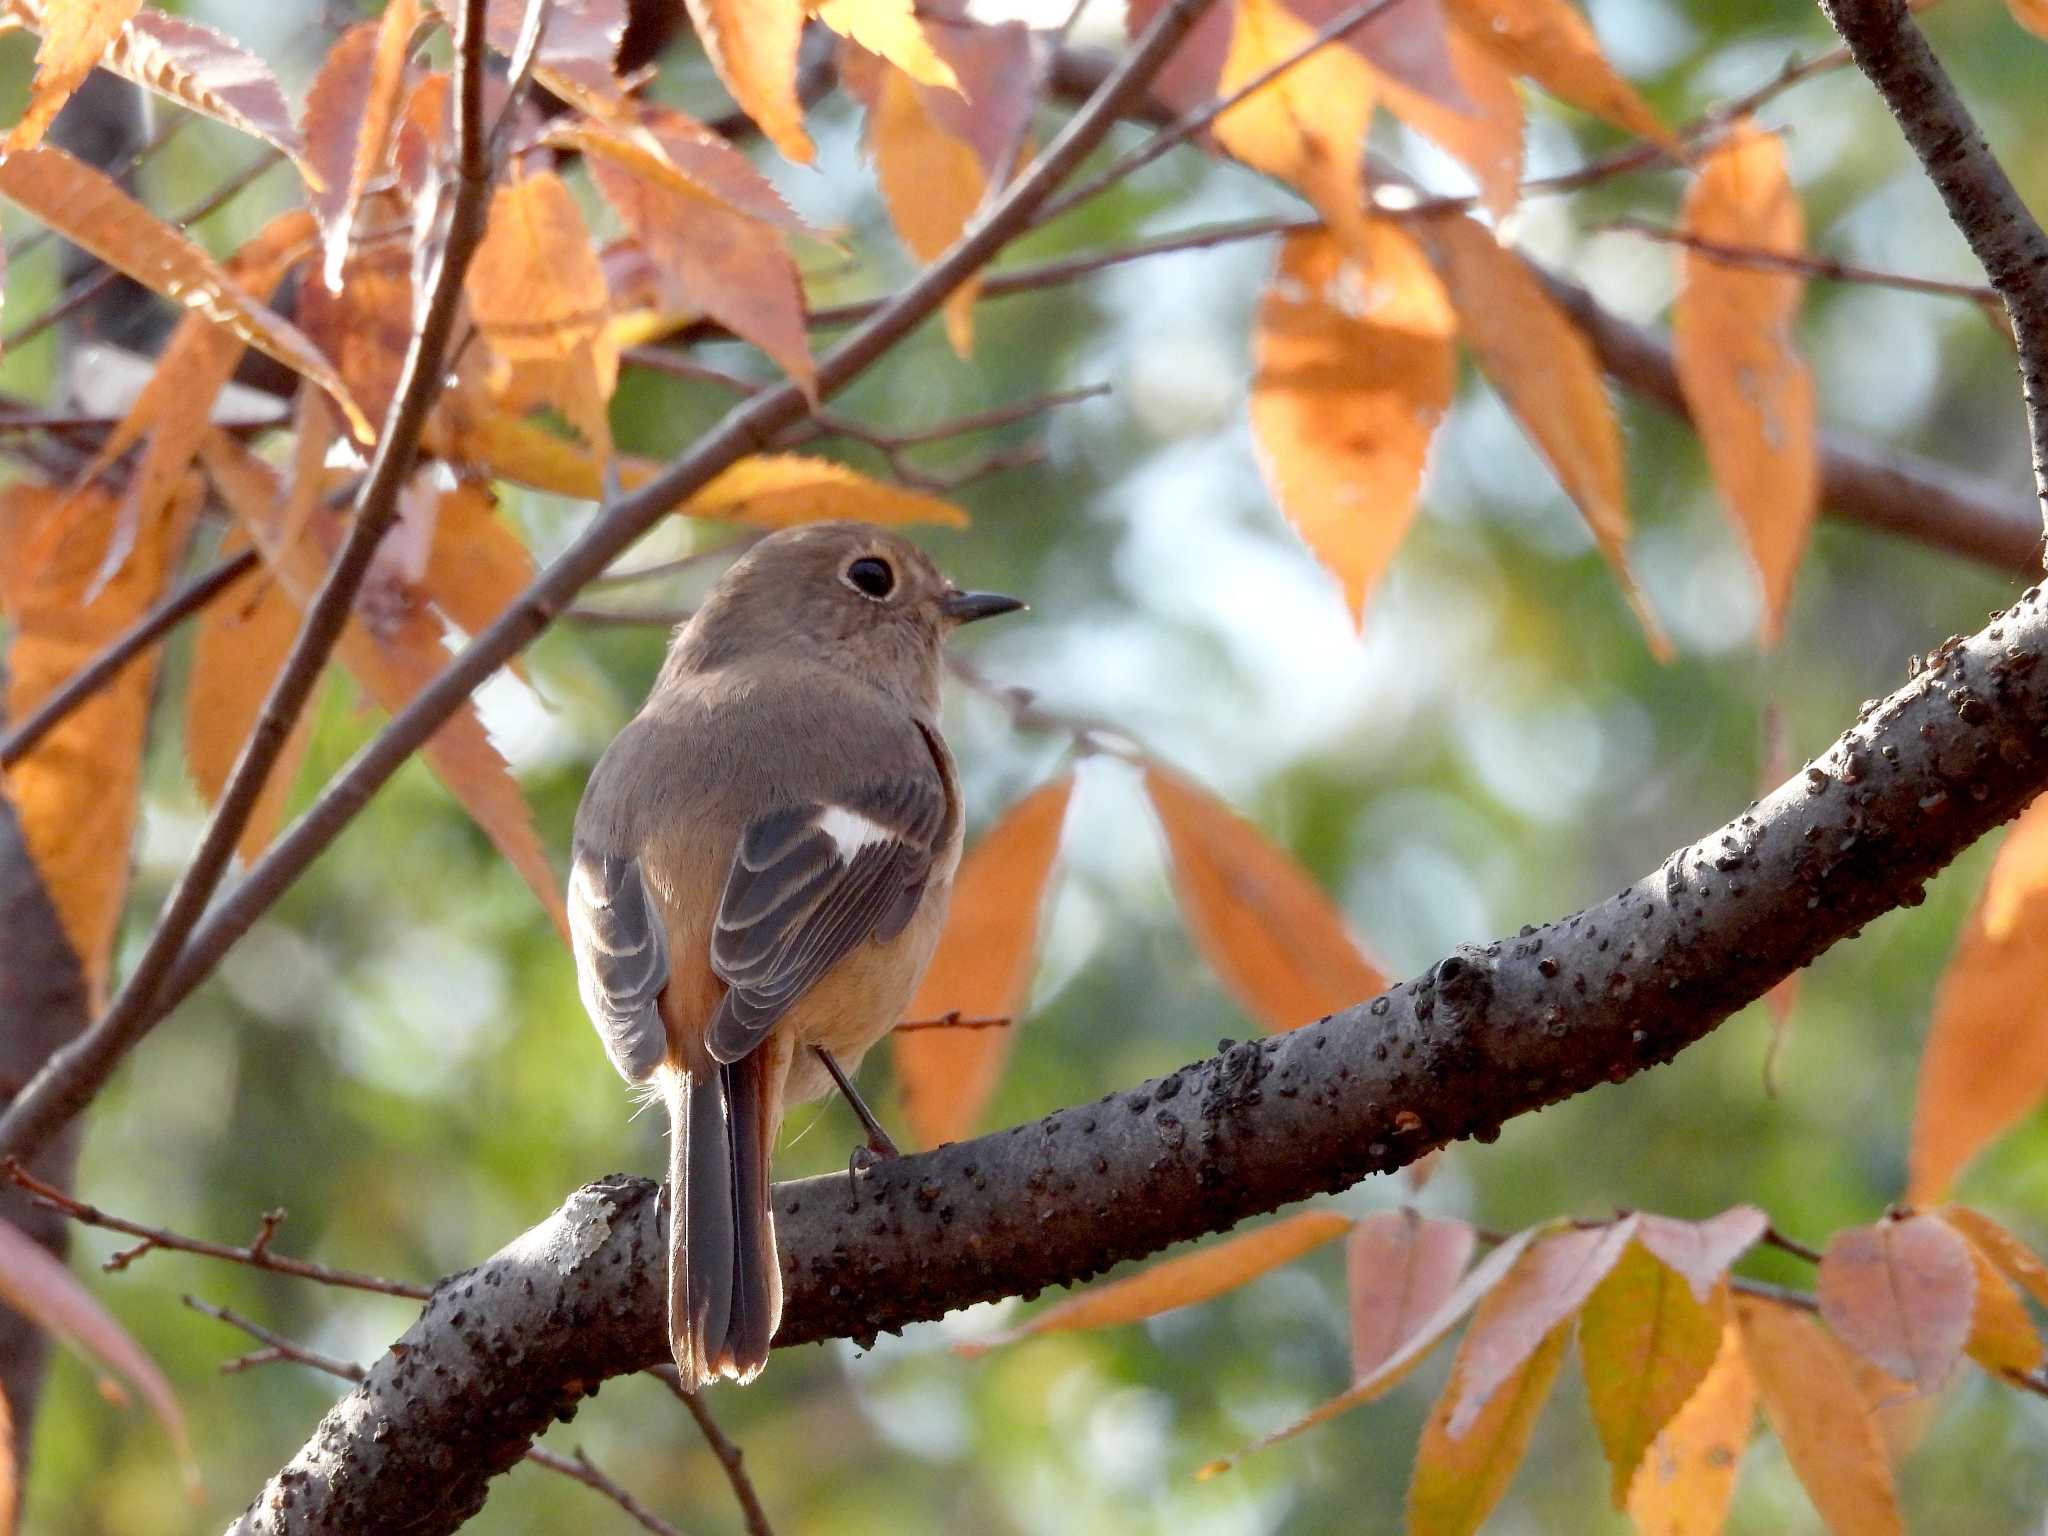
point(621, 958)
point(808, 883)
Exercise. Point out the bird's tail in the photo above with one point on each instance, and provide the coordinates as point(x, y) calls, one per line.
point(724, 1280)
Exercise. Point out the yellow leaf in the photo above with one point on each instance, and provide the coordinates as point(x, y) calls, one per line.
point(1550, 43)
point(75, 34)
point(1985, 1064)
point(1271, 934)
point(528, 454)
point(890, 30)
point(90, 211)
point(1685, 1483)
point(76, 789)
point(1460, 1476)
point(1900, 1293)
point(1307, 126)
point(1547, 372)
point(1353, 372)
point(783, 490)
point(982, 968)
point(2015, 1260)
point(1812, 1398)
point(1748, 389)
point(2002, 1336)
point(1647, 1344)
point(1487, 138)
point(752, 44)
point(240, 647)
point(1209, 1271)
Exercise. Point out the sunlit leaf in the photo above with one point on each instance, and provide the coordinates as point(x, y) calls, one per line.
point(1461, 1472)
point(1647, 1343)
point(1273, 937)
point(1484, 133)
point(781, 490)
point(1216, 1267)
point(2015, 1260)
point(982, 968)
point(1748, 389)
point(1542, 1292)
point(1687, 1480)
point(1811, 1397)
point(364, 326)
point(1354, 369)
point(672, 149)
point(89, 210)
point(1400, 1267)
point(752, 44)
point(890, 30)
point(1985, 1064)
point(477, 565)
point(1701, 1251)
point(1548, 375)
point(1900, 1292)
point(39, 1287)
point(1549, 42)
point(351, 108)
point(75, 34)
point(579, 45)
point(2002, 1335)
point(76, 790)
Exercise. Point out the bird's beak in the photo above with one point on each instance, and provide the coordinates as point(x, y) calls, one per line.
point(966, 607)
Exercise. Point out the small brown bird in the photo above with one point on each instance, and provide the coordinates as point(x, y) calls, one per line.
point(761, 866)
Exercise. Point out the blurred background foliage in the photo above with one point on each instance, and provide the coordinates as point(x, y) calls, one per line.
point(397, 1054)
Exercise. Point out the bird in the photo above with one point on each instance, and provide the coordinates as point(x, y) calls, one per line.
point(760, 869)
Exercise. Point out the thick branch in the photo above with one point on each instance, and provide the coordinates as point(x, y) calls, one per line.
point(1892, 52)
point(503, 1349)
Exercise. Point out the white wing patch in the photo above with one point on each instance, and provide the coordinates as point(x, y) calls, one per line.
point(850, 831)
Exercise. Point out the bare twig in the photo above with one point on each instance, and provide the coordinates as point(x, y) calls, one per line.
point(67, 1081)
point(256, 1253)
point(1892, 52)
point(122, 649)
point(724, 1447)
point(1822, 267)
point(1791, 1245)
point(953, 1020)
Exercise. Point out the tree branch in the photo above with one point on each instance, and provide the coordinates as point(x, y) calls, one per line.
point(1893, 54)
point(502, 1350)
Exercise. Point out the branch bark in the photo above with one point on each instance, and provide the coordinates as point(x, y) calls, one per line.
point(1486, 1033)
point(1889, 47)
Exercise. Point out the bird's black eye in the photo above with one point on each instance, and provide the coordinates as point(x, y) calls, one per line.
point(871, 577)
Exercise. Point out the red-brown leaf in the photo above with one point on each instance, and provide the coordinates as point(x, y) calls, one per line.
point(206, 72)
point(1900, 1292)
point(1401, 1266)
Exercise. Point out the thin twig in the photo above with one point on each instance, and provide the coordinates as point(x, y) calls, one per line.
point(1824, 268)
point(1791, 1245)
point(953, 1020)
point(67, 1080)
point(256, 1254)
point(122, 649)
point(729, 1455)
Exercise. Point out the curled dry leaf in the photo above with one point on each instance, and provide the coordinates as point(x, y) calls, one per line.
point(1749, 390)
point(74, 35)
point(1209, 1271)
point(782, 490)
point(90, 211)
point(1461, 1473)
point(1257, 916)
point(753, 44)
point(1545, 1290)
point(1811, 1395)
point(1353, 371)
point(40, 1288)
point(1985, 1064)
point(1701, 1251)
point(1400, 1267)
point(1647, 1343)
point(1547, 373)
point(1549, 42)
point(1687, 1480)
point(982, 968)
point(1900, 1293)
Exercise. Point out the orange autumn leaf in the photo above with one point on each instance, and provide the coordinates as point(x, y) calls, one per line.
point(1353, 371)
point(2002, 1335)
point(76, 790)
point(1811, 1396)
point(1687, 1480)
point(352, 110)
point(90, 211)
point(1484, 135)
point(752, 44)
point(782, 490)
point(1549, 377)
point(10, 1482)
point(1900, 1292)
point(1462, 1472)
point(75, 34)
point(1747, 387)
point(2031, 14)
point(1985, 1064)
point(1308, 126)
point(1549, 42)
point(239, 648)
point(2014, 1259)
point(1210, 1271)
point(889, 29)
point(673, 150)
point(1647, 1342)
point(1400, 1267)
point(982, 968)
point(1272, 936)
point(477, 565)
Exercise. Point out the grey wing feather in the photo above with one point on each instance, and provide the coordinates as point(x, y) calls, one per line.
point(621, 958)
point(810, 882)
